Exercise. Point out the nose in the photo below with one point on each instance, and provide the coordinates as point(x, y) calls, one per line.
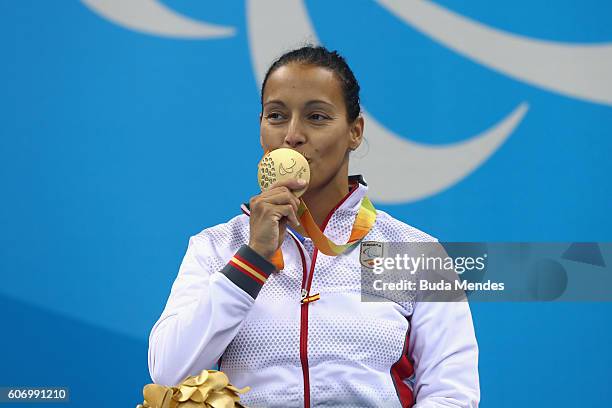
point(295, 136)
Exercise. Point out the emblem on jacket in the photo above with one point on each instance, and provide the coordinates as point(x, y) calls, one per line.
point(369, 250)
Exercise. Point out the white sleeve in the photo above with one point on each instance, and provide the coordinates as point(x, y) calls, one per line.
point(204, 311)
point(445, 354)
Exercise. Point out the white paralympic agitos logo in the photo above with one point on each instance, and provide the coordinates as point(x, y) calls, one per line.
point(581, 71)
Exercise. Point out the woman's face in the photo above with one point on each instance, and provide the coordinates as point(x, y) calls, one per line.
point(304, 109)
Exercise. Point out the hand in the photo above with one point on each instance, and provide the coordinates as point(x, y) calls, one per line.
point(270, 212)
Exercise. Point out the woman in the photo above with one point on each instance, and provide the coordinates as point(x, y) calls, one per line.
point(297, 332)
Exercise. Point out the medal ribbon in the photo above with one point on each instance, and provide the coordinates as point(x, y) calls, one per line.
point(366, 216)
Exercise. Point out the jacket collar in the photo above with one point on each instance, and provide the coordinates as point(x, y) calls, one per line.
point(352, 201)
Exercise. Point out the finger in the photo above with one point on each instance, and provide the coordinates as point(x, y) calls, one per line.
point(286, 189)
point(288, 212)
point(294, 221)
point(281, 196)
point(291, 183)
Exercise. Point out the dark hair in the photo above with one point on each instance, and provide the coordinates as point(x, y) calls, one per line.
point(322, 57)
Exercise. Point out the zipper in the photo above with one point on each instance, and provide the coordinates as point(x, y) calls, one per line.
point(305, 291)
point(304, 323)
point(304, 332)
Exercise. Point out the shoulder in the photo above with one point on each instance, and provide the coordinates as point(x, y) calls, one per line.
point(390, 228)
point(224, 239)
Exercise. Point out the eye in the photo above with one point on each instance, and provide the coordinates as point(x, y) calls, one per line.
point(317, 117)
point(274, 116)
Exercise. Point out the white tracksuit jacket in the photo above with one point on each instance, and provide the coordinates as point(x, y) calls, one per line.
point(228, 305)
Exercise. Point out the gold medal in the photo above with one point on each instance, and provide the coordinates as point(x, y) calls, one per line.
point(283, 164)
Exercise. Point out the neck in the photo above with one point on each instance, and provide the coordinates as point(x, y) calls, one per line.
point(322, 200)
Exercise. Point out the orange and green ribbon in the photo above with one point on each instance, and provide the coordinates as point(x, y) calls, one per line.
point(366, 216)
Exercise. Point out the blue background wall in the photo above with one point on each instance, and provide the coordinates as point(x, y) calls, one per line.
point(117, 145)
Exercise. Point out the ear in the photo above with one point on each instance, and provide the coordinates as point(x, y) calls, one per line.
point(356, 133)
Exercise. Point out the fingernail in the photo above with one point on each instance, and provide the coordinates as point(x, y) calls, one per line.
point(301, 182)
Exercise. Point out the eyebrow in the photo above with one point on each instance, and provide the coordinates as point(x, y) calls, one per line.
point(309, 103)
